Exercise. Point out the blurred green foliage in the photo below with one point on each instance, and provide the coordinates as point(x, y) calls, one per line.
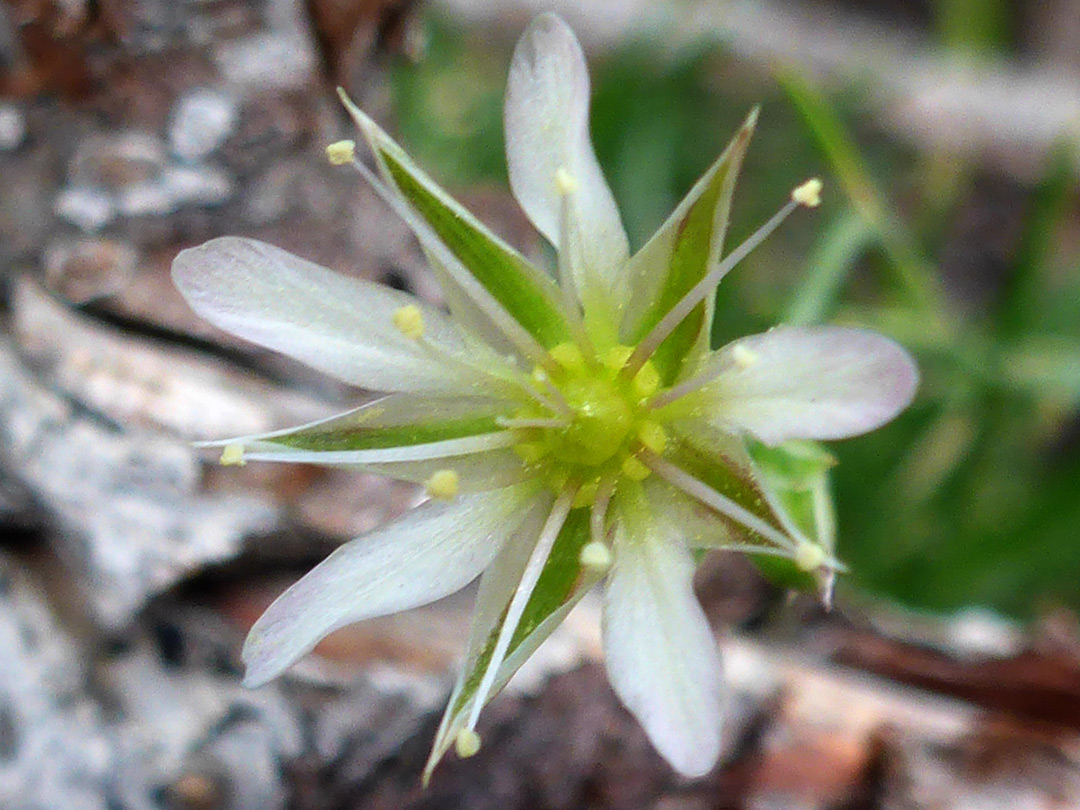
point(972, 497)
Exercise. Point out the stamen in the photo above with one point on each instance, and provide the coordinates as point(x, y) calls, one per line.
point(444, 448)
point(809, 193)
point(232, 455)
point(483, 299)
point(565, 183)
point(596, 556)
point(741, 356)
point(514, 611)
point(598, 513)
point(467, 743)
point(563, 406)
point(700, 291)
point(744, 357)
point(713, 499)
point(443, 485)
point(341, 153)
point(809, 556)
point(409, 320)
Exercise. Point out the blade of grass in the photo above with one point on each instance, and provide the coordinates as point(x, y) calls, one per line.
point(1017, 312)
point(828, 268)
point(914, 275)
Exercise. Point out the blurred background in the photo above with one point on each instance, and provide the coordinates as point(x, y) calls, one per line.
point(947, 132)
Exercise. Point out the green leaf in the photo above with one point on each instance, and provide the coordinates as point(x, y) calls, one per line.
point(523, 291)
point(679, 255)
point(561, 585)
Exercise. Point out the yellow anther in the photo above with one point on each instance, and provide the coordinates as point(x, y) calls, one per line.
point(409, 320)
point(809, 193)
point(341, 152)
point(467, 743)
point(743, 356)
point(531, 452)
point(617, 356)
point(596, 556)
point(809, 556)
point(233, 455)
point(539, 375)
point(568, 355)
point(653, 436)
point(633, 469)
point(647, 381)
point(565, 183)
point(586, 495)
point(443, 485)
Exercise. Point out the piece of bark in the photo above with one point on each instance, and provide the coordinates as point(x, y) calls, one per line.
point(125, 508)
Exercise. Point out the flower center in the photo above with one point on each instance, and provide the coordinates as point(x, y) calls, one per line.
point(602, 420)
point(597, 423)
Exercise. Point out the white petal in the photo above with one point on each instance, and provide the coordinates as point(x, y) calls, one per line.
point(547, 129)
point(662, 659)
point(689, 519)
point(815, 382)
point(342, 326)
point(426, 554)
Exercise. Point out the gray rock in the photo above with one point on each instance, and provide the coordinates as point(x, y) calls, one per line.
point(55, 751)
point(283, 57)
point(86, 207)
point(117, 160)
point(201, 121)
point(127, 506)
point(84, 269)
point(12, 127)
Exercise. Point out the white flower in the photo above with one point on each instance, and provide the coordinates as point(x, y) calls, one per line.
point(567, 432)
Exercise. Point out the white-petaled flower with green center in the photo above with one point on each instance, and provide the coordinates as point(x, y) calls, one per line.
point(567, 432)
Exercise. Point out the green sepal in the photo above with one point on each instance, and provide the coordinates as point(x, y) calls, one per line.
point(797, 475)
point(393, 421)
point(562, 584)
point(679, 255)
point(728, 470)
point(526, 293)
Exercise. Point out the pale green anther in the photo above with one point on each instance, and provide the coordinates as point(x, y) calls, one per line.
point(232, 455)
point(409, 320)
point(596, 555)
point(443, 485)
point(809, 193)
point(467, 743)
point(809, 556)
point(341, 153)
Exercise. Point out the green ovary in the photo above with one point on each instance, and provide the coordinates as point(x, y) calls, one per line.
point(601, 423)
point(604, 429)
